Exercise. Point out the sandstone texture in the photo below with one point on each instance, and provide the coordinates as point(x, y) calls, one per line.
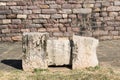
point(84, 52)
point(34, 51)
point(59, 52)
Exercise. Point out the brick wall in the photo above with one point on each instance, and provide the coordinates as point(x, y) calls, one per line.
point(97, 18)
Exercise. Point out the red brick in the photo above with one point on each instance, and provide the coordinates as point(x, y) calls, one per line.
point(105, 37)
point(100, 33)
point(6, 39)
point(11, 16)
point(15, 30)
point(17, 38)
point(25, 30)
point(114, 33)
point(76, 29)
point(41, 30)
point(52, 29)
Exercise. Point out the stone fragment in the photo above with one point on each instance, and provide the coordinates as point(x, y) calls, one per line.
point(84, 52)
point(34, 51)
point(60, 52)
point(82, 10)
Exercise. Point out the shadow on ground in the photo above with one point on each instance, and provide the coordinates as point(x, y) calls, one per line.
point(13, 63)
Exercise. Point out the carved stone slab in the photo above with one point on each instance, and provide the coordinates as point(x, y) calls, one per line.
point(84, 52)
point(34, 51)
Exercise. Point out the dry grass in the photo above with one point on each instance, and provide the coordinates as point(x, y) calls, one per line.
point(96, 73)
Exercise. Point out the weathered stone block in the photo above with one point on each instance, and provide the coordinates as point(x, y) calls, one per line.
point(60, 52)
point(84, 52)
point(34, 51)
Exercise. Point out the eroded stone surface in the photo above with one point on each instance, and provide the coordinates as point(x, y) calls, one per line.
point(84, 52)
point(59, 51)
point(34, 51)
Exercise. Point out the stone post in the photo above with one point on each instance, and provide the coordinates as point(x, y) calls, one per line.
point(34, 51)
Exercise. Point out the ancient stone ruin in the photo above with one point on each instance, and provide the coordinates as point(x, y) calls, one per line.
point(41, 51)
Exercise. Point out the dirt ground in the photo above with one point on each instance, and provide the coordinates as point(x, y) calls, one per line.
point(10, 55)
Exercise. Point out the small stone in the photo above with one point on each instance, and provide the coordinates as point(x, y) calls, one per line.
point(64, 15)
point(22, 16)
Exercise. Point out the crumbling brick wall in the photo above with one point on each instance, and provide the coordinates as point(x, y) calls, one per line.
point(97, 18)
